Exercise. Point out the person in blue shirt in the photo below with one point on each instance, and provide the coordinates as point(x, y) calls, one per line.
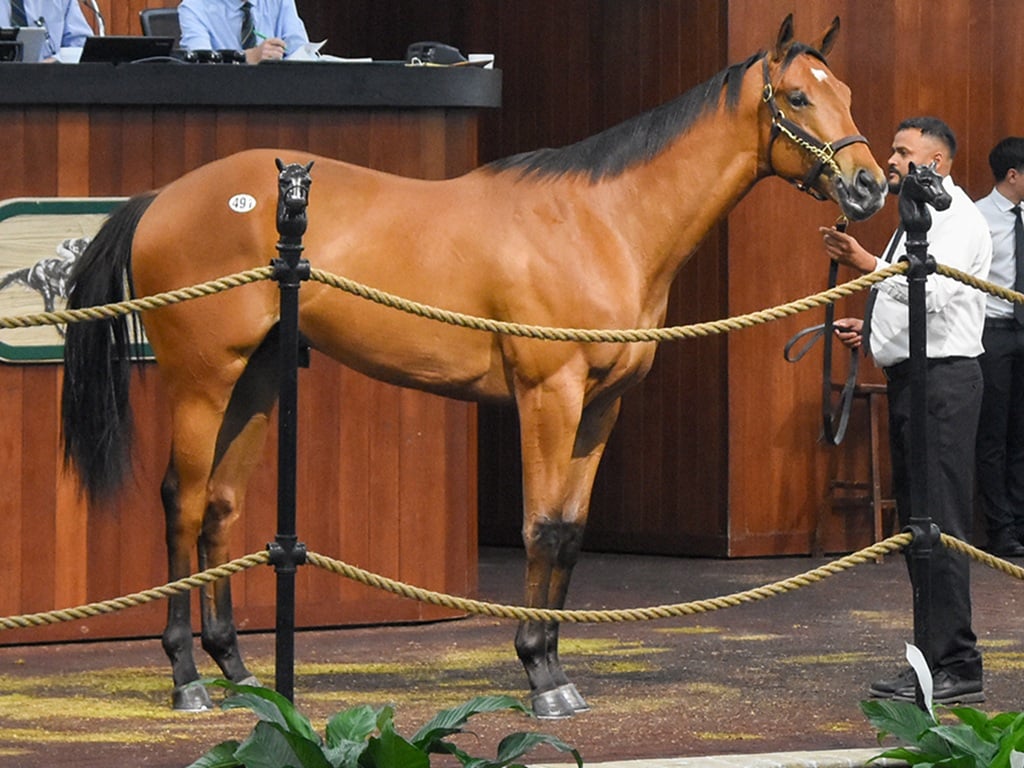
point(263, 29)
point(63, 21)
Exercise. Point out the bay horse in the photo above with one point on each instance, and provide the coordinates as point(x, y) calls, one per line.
point(590, 235)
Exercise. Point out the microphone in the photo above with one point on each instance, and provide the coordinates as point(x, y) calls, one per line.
point(95, 8)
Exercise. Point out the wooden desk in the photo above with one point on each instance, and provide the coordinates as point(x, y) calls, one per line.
point(387, 477)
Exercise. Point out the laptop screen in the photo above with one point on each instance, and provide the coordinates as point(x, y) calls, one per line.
point(125, 48)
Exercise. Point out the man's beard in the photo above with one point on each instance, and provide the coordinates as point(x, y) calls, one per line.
point(894, 186)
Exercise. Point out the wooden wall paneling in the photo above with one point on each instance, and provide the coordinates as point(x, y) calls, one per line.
point(73, 153)
point(12, 500)
point(37, 473)
point(353, 476)
point(169, 150)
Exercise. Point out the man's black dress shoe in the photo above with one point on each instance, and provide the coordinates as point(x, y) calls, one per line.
point(1005, 546)
point(947, 689)
point(884, 689)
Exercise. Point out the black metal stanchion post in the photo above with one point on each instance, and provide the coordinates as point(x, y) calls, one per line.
point(925, 533)
point(286, 553)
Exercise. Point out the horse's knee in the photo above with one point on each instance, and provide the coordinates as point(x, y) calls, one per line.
point(531, 644)
point(219, 636)
point(177, 640)
point(559, 540)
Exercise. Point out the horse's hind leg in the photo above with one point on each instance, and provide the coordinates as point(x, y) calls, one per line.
point(214, 451)
point(239, 448)
point(561, 452)
point(188, 695)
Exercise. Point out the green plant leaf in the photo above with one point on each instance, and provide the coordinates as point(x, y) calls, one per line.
point(450, 721)
point(978, 721)
point(963, 740)
point(902, 719)
point(355, 724)
point(270, 746)
point(221, 756)
point(517, 744)
point(347, 733)
point(390, 750)
point(268, 705)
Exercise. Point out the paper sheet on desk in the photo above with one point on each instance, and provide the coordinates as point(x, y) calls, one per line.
point(311, 52)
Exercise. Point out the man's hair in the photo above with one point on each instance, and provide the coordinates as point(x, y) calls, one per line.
point(932, 126)
point(1007, 154)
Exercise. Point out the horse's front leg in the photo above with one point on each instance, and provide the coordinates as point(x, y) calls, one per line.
point(562, 448)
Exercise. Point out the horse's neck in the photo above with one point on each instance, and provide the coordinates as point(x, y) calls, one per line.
point(687, 189)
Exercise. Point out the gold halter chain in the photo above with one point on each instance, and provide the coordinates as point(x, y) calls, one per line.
point(823, 152)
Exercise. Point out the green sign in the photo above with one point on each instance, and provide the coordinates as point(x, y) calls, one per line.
point(40, 238)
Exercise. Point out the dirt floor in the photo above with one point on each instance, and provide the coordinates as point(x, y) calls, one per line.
point(782, 674)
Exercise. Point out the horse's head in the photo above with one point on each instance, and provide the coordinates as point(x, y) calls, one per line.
point(921, 187)
point(809, 137)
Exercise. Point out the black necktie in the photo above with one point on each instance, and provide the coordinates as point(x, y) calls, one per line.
point(865, 332)
point(18, 16)
point(1018, 259)
point(248, 35)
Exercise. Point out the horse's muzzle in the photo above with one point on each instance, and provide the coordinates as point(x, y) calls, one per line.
point(863, 198)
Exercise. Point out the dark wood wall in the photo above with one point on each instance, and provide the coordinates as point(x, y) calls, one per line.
point(717, 452)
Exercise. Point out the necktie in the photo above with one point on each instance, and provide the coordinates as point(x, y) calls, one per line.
point(18, 16)
point(248, 36)
point(1018, 258)
point(865, 332)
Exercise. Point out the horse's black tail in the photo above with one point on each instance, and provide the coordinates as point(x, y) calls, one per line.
point(95, 412)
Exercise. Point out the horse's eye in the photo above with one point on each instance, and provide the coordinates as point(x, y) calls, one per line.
point(798, 99)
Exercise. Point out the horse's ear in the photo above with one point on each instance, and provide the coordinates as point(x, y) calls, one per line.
point(828, 39)
point(912, 166)
point(785, 36)
point(309, 165)
point(280, 165)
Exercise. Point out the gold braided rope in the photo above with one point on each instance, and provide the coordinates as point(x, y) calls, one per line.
point(626, 336)
point(871, 553)
point(892, 544)
point(107, 311)
point(208, 576)
point(426, 311)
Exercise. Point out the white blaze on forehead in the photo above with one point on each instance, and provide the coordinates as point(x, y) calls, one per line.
point(819, 74)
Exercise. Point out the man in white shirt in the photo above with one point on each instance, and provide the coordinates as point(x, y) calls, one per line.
point(955, 317)
point(63, 21)
point(1000, 446)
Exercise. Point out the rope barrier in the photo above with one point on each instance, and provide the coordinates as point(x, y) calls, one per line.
point(136, 598)
point(624, 336)
point(890, 545)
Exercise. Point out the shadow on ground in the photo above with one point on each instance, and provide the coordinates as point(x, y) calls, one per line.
point(783, 674)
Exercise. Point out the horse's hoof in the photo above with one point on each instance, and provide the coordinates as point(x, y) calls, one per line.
point(558, 703)
point(573, 698)
point(191, 697)
point(250, 680)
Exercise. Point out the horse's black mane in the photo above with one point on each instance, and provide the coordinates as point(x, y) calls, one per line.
point(639, 139)
point(636, 140)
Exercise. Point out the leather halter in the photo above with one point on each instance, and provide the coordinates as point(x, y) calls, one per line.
point(823, 152)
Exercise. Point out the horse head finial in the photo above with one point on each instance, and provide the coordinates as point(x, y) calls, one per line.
point(921, 187)
point(293, 182)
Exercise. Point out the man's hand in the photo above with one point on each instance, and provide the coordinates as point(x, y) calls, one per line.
point(844, 248)
point(849, 331)
point(271, 49)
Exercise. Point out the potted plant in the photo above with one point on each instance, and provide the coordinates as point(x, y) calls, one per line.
point(360, 737)
point(974, 741)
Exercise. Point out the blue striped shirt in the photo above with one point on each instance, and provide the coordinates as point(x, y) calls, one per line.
point(64, 21)
point(216, 25)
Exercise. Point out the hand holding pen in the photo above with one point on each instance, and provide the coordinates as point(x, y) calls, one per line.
point(268, 49)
